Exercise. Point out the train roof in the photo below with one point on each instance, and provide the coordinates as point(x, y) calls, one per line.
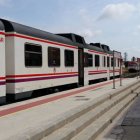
point(132, 62)
point(1, 26)
point(77, 39)
point(30, 31)
point(74, 37)
point(80, 42)
point(93, 47)
point(106, 48)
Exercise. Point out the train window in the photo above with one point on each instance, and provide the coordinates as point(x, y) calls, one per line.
point(85, 59)
point(118, 62)
point(97, 60)
point(69, 58)
point(115, 62)
point(90, 60)
point(33, 55)
point(108, 62)
point(112, 62)
point(104, 61)
point(53, 56)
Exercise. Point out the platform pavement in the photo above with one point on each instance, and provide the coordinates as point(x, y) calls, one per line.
point(58, 106)
point(131, 122)
point(127, 127)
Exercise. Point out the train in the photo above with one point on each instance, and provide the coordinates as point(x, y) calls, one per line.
point(133, 66)
point(32, 59)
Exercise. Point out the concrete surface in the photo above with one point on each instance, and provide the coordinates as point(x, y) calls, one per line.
point(131, 122)
point(127, 127)
point(39, 116)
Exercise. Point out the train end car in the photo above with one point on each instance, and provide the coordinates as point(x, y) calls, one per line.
point(37, 59)
point(133, 66)
point(2, 65)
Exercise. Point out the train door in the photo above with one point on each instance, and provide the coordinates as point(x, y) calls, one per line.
point(108, 68)
point(81, 66)
point(2, 65)
point(86, 69)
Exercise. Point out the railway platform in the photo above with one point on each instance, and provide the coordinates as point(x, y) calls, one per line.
point(35, 119)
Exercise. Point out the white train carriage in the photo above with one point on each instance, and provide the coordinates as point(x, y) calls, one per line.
point(133, 66)
point(2, 65)
point(37, 59)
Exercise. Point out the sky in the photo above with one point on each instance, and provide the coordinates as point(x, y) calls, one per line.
point(112, 22)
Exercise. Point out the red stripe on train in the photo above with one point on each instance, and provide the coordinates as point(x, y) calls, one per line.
point(32, 75)
point(2, 33)
point(2, 78)
point(97, 52)
point(42, 40)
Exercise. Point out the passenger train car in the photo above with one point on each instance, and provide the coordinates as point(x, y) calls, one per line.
point(133, 66)
point(32, 59)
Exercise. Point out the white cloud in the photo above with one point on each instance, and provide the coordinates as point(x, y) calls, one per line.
point(117, 11)
point(88, 27)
